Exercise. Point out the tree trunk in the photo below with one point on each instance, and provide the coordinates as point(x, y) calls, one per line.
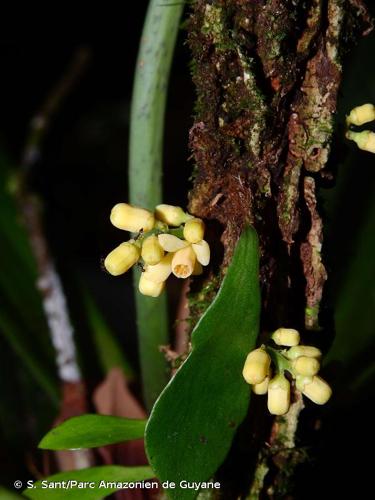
point(267, 75)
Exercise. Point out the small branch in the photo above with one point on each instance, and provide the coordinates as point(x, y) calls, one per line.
point(53, 298)
point(40, 123)
point(49, 283)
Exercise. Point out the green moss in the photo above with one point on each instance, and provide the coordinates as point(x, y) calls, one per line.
point(199, 301)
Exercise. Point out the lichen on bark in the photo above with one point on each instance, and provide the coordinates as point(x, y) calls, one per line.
point(267, 75)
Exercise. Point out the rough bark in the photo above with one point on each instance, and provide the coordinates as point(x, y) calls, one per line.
point(267, 75)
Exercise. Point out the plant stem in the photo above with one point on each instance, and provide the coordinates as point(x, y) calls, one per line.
point(145, 172)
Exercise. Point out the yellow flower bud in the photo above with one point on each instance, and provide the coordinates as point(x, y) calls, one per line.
point(306, 366)
point(318, 390)
point(147, 287)
point(174, 216)
point(261, 388)
point(161, 271)
point(171, 243)
point(202, 251)
point(301, 381)
point(152, 252)
point(361, 114)
point(278, 401)
point(133, 219)
point(198, 269)
point(256, 366)
point(365, 140)
point(183, 262)
point(121, 258)
point(286, 336)
point(303, 350)
point(194, 230)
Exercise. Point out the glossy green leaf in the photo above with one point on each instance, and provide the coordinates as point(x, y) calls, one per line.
point(93, 475)
point(192, 425)
point(145, 173)
point(89, 431)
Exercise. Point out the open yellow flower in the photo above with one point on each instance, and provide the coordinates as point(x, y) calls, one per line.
point(183, 262)
point(163, 250)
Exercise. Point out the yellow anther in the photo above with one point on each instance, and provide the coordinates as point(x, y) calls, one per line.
point(133, 219)
point(183, 262)
point(121, 258)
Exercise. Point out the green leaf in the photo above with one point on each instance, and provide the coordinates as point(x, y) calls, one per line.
point(145, 173)
point(192, 425)
point(108, 348)
point(31, 360)
point(89, 431)
point(8, 495)
point(94, 475)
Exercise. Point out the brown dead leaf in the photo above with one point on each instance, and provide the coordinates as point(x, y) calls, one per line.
point(113, 397)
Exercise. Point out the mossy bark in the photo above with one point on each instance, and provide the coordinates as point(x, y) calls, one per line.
point(267, 75)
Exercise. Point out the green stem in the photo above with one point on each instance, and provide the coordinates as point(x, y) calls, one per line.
point(145, 172)
point(280, 361)
point(176, 231)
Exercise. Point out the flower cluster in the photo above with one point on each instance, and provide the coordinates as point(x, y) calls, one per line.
point(358, 116)
point(301, 361)
point(167, 241)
